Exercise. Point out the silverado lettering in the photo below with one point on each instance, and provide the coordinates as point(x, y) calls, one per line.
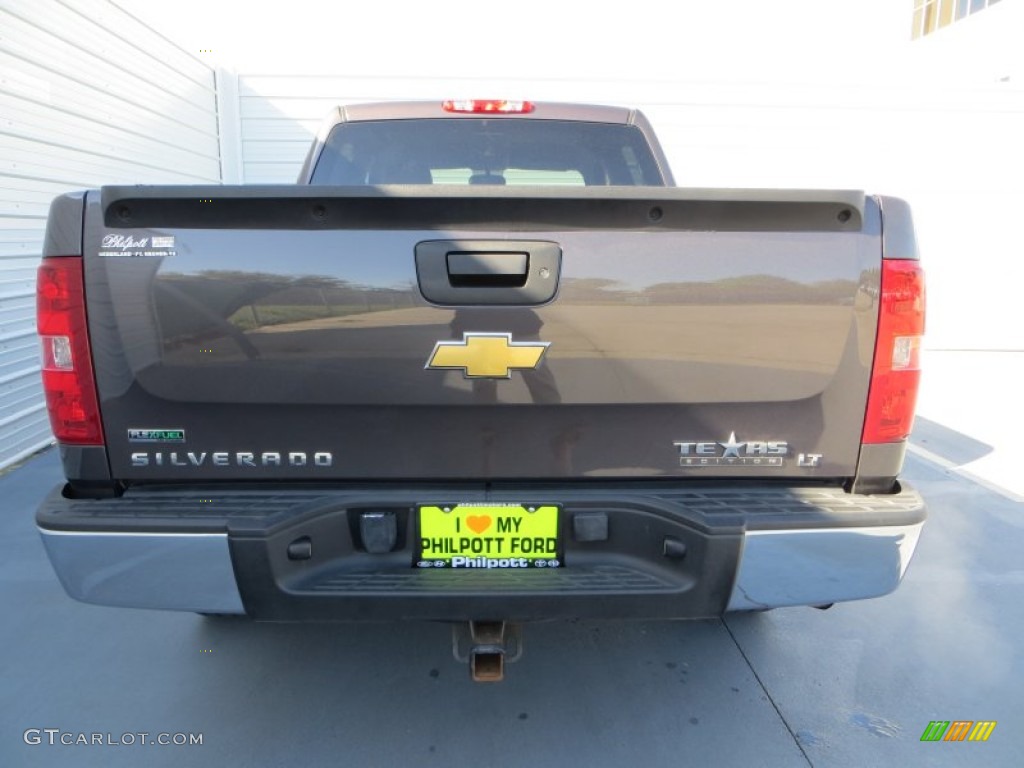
point(225, 458)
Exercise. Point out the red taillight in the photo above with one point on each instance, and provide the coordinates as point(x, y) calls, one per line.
point(67, 366)
point(487, 105)
point(897, 370)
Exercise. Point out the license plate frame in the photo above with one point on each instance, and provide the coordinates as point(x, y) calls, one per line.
point(478, 535)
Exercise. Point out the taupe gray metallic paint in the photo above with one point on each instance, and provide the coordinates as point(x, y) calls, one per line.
point(656, 336)
point(878, 464)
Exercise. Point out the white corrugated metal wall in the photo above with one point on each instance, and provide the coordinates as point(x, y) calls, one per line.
point(89, 95)
point(953, 151)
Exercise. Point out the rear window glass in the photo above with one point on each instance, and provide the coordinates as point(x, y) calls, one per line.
point(504, 151)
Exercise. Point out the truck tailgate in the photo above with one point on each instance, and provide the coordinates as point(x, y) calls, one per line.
point(281, 332)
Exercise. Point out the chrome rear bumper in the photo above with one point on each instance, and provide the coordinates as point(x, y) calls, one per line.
point(167, 571)
point(663, 551)
point(821, 566)
point(193, 572)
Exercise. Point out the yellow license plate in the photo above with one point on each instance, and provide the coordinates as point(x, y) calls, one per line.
point(463, 536)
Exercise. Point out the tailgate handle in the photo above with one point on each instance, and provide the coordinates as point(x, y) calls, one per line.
point(502, 272)
point(487, 269)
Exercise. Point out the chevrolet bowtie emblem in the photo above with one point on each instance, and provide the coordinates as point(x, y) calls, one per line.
point(487, 355)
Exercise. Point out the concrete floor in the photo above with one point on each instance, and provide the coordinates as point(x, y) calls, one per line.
point(852, 686)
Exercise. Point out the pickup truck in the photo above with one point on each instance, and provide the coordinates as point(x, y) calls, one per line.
point(485, 364)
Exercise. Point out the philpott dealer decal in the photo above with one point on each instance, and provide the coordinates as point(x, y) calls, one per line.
point(129, 246)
